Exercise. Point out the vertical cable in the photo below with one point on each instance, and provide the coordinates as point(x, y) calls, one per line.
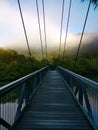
point(44, 26)
point(39, 28)
point(62, 15)
point(78, 50)
point(67, 28)
point(24, 30)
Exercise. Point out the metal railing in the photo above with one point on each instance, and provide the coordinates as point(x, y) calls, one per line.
point(15, 96)
point(85, 91)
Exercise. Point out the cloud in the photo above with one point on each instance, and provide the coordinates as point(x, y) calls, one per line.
point(89, 44)
point(11, 30)
point(9, 23)
point(12, 33)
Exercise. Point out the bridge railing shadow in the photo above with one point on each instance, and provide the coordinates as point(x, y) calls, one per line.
point(85, 91)
point(15, 96)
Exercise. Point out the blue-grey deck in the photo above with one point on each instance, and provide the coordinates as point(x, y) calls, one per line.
point(53, 107)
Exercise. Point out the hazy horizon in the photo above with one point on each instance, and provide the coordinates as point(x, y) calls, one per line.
point(89, 46)
point(11, 30)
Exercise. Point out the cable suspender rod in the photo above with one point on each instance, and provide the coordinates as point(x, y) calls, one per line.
point(24, 30)
point(61, 25)
point(67, 27)
point(78, 50)
point(39, 28)
point(44, 26)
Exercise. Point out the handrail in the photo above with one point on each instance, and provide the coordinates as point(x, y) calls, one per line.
point(85, 91)
point(7, 88)
point(21, 90)
point(79, 77)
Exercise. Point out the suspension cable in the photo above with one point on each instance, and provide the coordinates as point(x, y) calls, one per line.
point(24, 30)
point(44, 26)
point(78, 50)
point(67, 27)
point(62, 15)
point(39, 28)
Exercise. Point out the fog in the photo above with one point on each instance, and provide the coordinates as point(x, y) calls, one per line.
point(89, 45)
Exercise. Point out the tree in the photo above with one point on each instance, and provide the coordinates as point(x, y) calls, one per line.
point(95, 2)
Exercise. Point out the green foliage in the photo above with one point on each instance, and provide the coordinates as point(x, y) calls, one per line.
point(59, 61)
point(14, 65)
point(87, 67)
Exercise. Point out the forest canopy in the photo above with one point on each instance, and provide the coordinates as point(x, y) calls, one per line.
point(14, 65)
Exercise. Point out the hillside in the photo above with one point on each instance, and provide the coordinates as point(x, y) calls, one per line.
point(14, 65)
point(89, 46)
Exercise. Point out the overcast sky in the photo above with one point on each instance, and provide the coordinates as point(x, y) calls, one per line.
point(11, 30)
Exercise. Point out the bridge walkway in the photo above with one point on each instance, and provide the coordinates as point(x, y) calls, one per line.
point(53, 107)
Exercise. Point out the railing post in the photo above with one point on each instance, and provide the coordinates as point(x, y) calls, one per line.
point(76, 90)
point(68, 78)
point(20, 101)
point(40, 75)
point(87, 102)
point(26, 96)
point(80, 93)
point(31, 87)
point(38, 78)
point(70, 82)
point(35, 84)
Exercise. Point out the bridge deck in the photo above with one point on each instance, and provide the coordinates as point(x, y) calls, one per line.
point(53, 107)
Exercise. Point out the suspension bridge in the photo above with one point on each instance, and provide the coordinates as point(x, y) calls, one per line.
point(50, 99)
point(58, 99)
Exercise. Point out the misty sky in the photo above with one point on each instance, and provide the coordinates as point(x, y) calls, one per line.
point(11, 30)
